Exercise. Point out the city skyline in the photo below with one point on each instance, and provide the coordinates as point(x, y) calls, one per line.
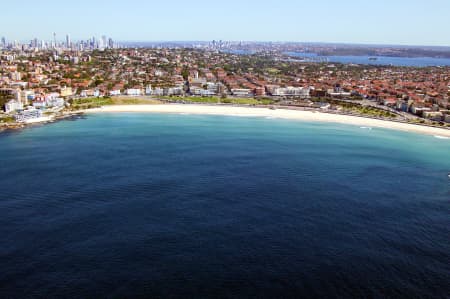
point(355, 22)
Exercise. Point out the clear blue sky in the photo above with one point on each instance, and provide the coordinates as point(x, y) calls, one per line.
point(414, 22)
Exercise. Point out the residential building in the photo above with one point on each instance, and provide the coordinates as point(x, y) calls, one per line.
point(241, 92)
point(134, 92)
point(12, 106)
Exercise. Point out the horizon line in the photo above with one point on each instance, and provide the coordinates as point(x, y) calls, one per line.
point(287, 42)
point(373, 44)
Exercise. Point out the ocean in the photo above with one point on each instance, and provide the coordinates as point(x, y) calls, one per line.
point(189, 206)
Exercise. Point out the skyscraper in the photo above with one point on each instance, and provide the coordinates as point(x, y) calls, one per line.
point(111, 43)
point(104, 42)
point(68, 43)
point(94, 43)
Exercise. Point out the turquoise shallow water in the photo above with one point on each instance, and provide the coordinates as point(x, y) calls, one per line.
point(189, 206)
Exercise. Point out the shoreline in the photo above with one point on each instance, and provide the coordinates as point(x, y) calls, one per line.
point(41, 121)
point(290, 114)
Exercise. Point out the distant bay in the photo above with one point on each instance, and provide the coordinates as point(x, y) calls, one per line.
point(375, 60)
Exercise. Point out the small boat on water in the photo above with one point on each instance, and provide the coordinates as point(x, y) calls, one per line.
point(373, 58)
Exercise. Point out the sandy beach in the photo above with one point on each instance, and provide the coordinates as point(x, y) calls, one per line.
point(278, 113)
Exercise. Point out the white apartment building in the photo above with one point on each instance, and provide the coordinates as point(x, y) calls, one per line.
point(13, 106)
point(241, 92)
point(115, 92)
point(134, 92)
point(291, 91)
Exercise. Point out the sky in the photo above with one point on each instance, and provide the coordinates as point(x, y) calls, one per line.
point(402, 22)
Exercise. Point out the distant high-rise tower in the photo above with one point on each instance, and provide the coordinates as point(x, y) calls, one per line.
point(68, 43)
point(111, 43)
point(104, 41)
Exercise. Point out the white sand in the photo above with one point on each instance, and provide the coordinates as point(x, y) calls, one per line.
point(279, 113)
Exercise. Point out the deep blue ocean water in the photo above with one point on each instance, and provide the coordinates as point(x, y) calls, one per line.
point(190, 206)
